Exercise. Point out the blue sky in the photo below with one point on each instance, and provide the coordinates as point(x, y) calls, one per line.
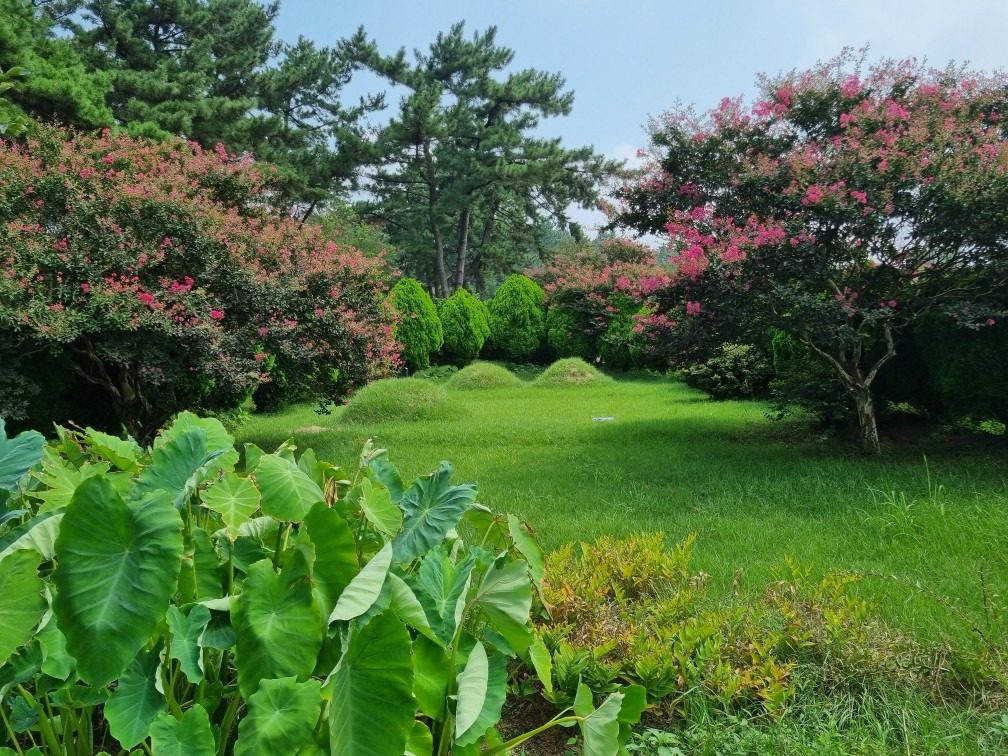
point(627, 60)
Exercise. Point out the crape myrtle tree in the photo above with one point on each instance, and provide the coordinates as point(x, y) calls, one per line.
point(841, 208)
point(211, 71)
point(151, 277)
point(460, 177)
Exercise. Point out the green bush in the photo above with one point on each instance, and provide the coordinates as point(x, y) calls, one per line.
point(804, 379)
point(518, 317)
point(571, 371)
point(397, 399)
point(736, 371)
point(419, 328)
point(484, 375)
point(563, 332)
point(172, 600)
point(466, 324)
point(966, 367)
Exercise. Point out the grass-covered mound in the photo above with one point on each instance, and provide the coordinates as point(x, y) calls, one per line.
point(397, 399)
point(571, 371)
point(484, 375)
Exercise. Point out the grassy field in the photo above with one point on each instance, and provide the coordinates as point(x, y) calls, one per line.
point(928, 522)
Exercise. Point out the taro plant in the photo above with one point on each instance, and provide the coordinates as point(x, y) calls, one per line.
point(176, 601)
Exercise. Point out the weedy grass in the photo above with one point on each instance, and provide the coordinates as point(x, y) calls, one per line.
point(927, 523)
point(407, 400)
point(483, 375)
point(572, 371)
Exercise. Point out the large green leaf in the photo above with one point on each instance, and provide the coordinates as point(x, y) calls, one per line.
point(189, 736)
point(123, 453)
point(56, 662)
point(493, 702)
point(472, 689)
point(526, 543)
point(505, 596)
point(21, 602)
point(186, 633)
point(178, 466)
point(441, 587)
point(372, 707)
point(18, 455)
point(218, 439)
point(421, 742)
point(117, 568)
point(409, 609)
point(136, 700)
point(200, 578)
point(234, 498)
point(335, 553)
point(378, 508)
point(279, 627)
point(281, 717)
point(38, 534)
point(599, 727)
point(542, 663)
point(60, 479)
point(432, 669)
point(433, 507)
point(287, 492)
point(387, 474)
point(365, 588)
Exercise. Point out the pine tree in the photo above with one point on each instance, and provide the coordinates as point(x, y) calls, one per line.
point(460, 170)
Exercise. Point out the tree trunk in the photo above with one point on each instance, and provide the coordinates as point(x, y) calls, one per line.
point(461, 248)
point(439, 261)
point(866, 420)
point(858, 385)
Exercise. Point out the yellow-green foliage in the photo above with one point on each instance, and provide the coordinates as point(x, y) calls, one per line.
point(572, 371)
point(397, 399)
point(629, 610)
point(484, 375)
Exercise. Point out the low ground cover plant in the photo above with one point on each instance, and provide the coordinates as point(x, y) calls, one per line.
point(184, 600)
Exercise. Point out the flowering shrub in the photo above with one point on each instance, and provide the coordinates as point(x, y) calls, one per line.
point(841, 209)
point(418, 329)
point(596, 305)
point(518, 317)
point(466, 324)
point(149, 278)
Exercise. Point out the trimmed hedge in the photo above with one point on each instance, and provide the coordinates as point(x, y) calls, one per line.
point(466, 324)
point(518, 317)
point(419, 328)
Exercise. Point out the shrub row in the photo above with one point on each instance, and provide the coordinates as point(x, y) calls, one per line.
point(457, 329)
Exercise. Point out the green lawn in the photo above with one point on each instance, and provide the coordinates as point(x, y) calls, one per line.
point(755, 492)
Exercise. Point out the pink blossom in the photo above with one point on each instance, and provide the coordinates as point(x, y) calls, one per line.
point(692, 308)
point(145, 297)
point(217, 314)
point(698, 213)
point(991, 321)
point(897, 111)
point(86, 173)
point(814, 194)
point(860, 196)
point(85, 287)
point(851, 86)
point(260, 356)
